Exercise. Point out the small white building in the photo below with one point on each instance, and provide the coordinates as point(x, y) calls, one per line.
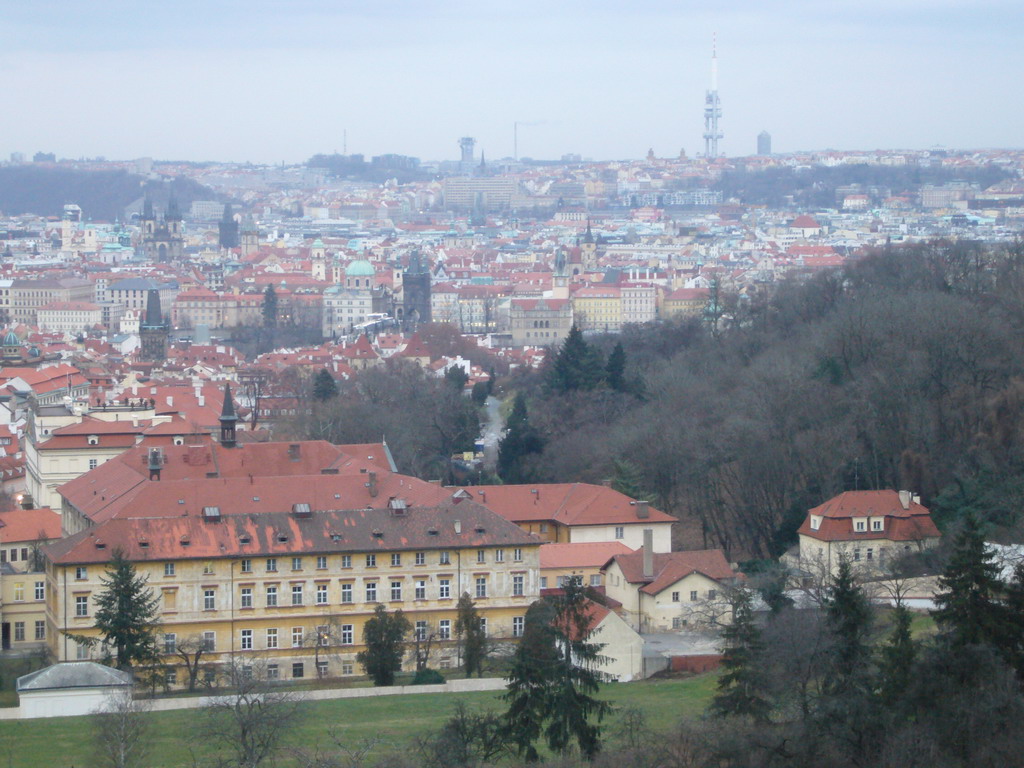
point(69, 688)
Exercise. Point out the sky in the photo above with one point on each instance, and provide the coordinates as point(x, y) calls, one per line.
point(273, 82)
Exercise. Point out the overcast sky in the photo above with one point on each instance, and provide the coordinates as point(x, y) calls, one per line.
point(608, 79)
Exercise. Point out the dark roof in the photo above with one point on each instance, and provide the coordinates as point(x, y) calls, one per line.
point(451, 524)
point(228, 411)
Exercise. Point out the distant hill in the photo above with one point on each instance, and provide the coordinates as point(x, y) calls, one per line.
point(102, 195)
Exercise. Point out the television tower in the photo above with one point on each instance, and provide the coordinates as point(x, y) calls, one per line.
point(712, 108)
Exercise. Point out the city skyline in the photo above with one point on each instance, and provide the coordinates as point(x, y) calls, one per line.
point(273, 83)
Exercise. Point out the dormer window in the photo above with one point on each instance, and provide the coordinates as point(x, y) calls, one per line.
point(815, 522)
point(93, 440)
point(877, 524)
point(860, 526)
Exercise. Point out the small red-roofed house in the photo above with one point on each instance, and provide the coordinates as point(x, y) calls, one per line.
point(867, 527)
point(582, 561)
point(622, 654)
point(670, 590)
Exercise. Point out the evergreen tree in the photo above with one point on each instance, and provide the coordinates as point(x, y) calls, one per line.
point(324, 386)
point(384, 637)
point(519, 443)
point(969, 611)
point(456, 378)
point(1014, 629)
point(848, 619)
point(577, 365)
point(615, 370)
point(553, 678)
point(471, 635)
point(898, 655)
point(742, 686)
point(492, 377)
point(127, 614)
point(268, 308)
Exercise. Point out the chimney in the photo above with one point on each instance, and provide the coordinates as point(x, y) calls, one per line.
point(372, 484)
point(905, 498)
point(483, 496)
point(648, 554)
point(642, 510)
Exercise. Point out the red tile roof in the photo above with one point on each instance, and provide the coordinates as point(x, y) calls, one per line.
point(584, 554)
point(18, 525)
point(566, 503)
point(670, 567)
point(910, 523)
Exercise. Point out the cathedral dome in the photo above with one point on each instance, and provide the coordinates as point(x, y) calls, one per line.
point(360, 268)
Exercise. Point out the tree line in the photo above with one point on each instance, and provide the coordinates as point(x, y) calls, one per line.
point(903, 370)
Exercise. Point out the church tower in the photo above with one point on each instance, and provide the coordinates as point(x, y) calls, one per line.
point(415, 294)
point(318, 257)
point(153, 331)
point(228, 419)
point(227, 229)
point(588, 250)
point(250, 236)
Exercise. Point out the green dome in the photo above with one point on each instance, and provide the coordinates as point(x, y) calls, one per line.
point(11, 340)
point(360, 268)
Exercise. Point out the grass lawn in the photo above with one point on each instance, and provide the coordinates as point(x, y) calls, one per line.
point(65, 742)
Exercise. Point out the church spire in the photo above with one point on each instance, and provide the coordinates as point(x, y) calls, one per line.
point(228, 418)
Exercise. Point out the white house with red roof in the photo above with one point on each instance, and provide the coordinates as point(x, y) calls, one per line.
point(867, 527)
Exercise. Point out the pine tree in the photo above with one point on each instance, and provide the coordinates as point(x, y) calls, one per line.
point(896, 666)
point(384, 637)
point(127, 614)
point(848, 618)
point(268, 308)
point(553, 678)
point(471, 635)
point(519, 443)
point(742, 686)
point(969, 611)
point(324, 386)
point(576, 366)
point(615, 370)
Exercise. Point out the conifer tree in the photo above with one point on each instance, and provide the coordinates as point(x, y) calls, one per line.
point(969, 611)
point(520, 442)
point(742, 687)
point(324, 386)
point(127, 614)
point(615, 370)
point(471, 635)
point(576, 366)
point(268, 307)
point(384, 636)
point(848, 618)
point(896, 666)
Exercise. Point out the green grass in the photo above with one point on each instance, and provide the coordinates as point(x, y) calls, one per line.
point(65, 742)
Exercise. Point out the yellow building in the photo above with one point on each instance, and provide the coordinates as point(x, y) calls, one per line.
point(598, 307)
point(685, 302)
point(294, 589)
point(23, 592)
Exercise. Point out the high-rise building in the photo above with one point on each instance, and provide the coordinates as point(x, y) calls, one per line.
point(764, 143)
point(712, 110)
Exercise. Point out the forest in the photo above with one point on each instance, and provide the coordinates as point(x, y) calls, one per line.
point(902, 371)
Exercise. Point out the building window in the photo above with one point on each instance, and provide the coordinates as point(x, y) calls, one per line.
point(208, 568)
point(620, 532)
point(321, 594)
point(209, 641)
point(481, 556)
point(168, 569)
point(170, 643)
point(296, 563)
point(271, 596)
point(481, 586)
point(40, 630)
point(499, 555)
point(272, 638)
point(871, 554)
point(271, 564)
point(860, 526)
point(321, 668)
point(693, 596)
point(396, 590)
point(543, 527)
point(273, 672)
point(297, 634)
point(93, 463)
point(517, 554)
point(444, 629)
point(346, 561)
point(40, 590)
point(81, 651)
point(247, 566)
point(298, 669)
point(856, 554)
point(82, 605)
point(19, 631)
point(346, 593)
point(347, 668)
point(321, 562)
point(543, 582)
point(420, 632)
point(171, 677)
point(371, 592)
point(396, 558)
point(517, 585)
point(444, 589)
point(595, 579)
point(347, 634)
point(209, 599)
point(876, 525)
point(246, 640)
point(445, 558)
point(81, 572)
point(371, 561)
point(421, 589)
point(421, 558)
point(677, 622)
point(296, 594)
point(246, 597)
point(518, 622)
point(675, 597)
point(712, 594)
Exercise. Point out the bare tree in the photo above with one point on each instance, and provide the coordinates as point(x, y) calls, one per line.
point(251, 721)
point(190, 650)
point(121, 731)
point(342, 754)
point(423, 638)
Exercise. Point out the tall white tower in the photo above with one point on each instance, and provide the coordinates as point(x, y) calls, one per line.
point(712, 108)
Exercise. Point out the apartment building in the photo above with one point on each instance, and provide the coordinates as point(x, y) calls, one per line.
point(28, 296)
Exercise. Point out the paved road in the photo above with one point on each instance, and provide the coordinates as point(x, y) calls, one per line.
point(493, 429)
